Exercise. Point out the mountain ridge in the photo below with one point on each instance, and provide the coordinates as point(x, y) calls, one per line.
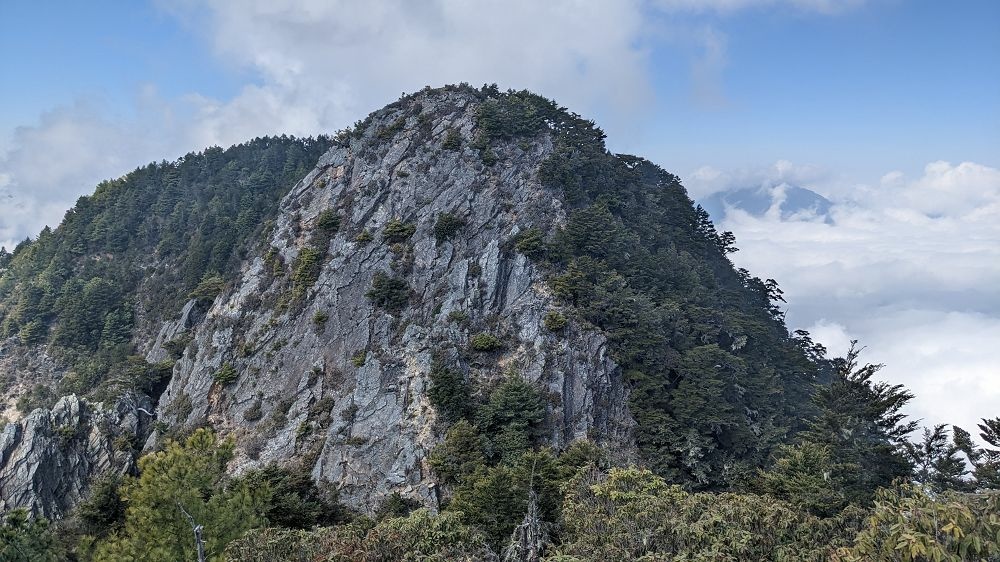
point(471, 231)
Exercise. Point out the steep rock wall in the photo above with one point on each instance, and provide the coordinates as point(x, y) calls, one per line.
point(349, 394)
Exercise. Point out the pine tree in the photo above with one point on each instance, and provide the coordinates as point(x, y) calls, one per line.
point(860, 421)
point(938, 465)
point(180, 483)
point(985, 461)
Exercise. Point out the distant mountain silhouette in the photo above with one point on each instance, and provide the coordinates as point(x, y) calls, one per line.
point(792, 202)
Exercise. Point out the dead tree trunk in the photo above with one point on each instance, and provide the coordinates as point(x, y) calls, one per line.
point(529, 538)
point(197, 529)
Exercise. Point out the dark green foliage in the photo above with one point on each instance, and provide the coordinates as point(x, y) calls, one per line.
point(166, 226)
point(452, 140)
point(359, 358)
point(458, 316)
point(387, 132)
point(985, 461)
point(208, 288)
point(103, 511)
point(364, 237)
point(638, 260)
point(295, 501)
point(511, 419)
point(226, 375)
point(530, 242)
point(328, 221)
point(33, 332)
point(446, 226)
point(176, 347)
point(554, 321)
point(397, 231)
point(807, 477)
point(396, 506)
point(450, 393)
point(23, 539)
point(485, 342)
point(861, 422)
point(937, 461)
point(305, 270)
point(320, 318)
point(389, 293)
point(460, 455)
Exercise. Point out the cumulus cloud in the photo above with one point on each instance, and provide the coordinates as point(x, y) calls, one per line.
point(707, 180)
point(319, 66)
point(909, 266)
point(333, 61)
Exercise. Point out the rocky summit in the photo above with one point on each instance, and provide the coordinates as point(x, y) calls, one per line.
point(327, 371)
point(342, 318)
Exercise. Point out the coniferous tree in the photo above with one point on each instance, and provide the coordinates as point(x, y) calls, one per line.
point(860, 420)
point(938, 465)
point(985, 461)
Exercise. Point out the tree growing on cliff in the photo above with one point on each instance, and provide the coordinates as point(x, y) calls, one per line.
point(181, 482)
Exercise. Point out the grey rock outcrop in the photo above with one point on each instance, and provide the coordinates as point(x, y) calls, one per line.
point(49, 457)
point(327, 377)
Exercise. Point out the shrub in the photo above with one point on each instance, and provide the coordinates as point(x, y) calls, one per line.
point(485, 342)
point(449, 392)
point(460, 455)
point(631, 514)
point(358, 359)
point(176, 346)
point(320, 318)
point(459, 316)
point(253, 413)
point(385, 133)
point(446, 226)
point(226, 375)
point(33, 332)
point(452, 141)
point(512, 418)
point(530, 242)
point(209, 288)
point(295, 500)
point(554, 321)
point(396, 505)
point(328, 221)
point(364, 237)
point(398, 231)
point(389, 293)
point(305, 271)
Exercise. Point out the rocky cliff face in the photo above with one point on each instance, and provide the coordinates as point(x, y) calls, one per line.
point(389, 258)
point(297, 359)
point(48, 457)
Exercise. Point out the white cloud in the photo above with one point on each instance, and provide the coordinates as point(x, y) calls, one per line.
point(909, 266)
point(707, 69)
point(321, 65)
point(707, 180)
point(334, 61)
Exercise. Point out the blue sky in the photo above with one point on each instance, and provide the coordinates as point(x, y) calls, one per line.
point(890, 108)
point(907, 82)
